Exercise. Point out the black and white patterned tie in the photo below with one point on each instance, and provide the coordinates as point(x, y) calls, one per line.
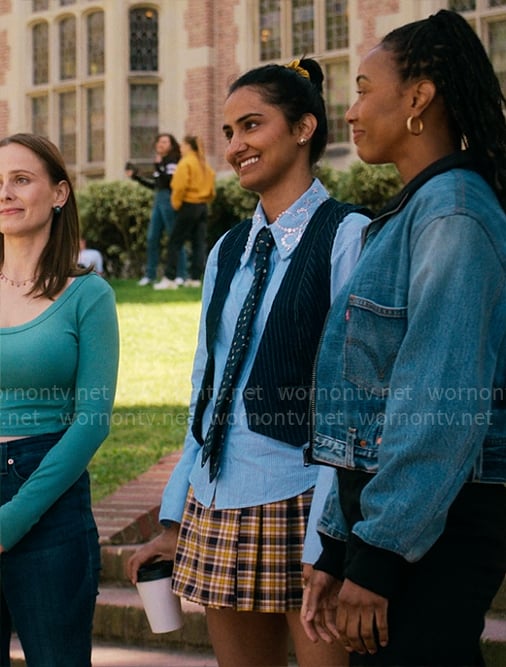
point(213, 443)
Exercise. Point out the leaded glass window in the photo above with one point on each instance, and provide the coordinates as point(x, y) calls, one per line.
point(302, 27)
point(143, 40)
point(497, 48)
point(337, 101)
point(336, 22)
point(67, 48)
point(40, 5)
point(40, 115)
point(96, 124)
point(96, 43)
point(270, 32)
point(40, 54)
point(143, 119)
point(67, 133)
point(462, 5)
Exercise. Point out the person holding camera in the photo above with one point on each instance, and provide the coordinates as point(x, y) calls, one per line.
point(162, 218)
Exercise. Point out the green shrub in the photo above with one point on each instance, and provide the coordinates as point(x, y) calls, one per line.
point(115, 215)
point(114, 219)
point(231, 205)
point(369, 185)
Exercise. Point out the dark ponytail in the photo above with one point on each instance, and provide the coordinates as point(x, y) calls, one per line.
point(297, 90)
point(445, 49)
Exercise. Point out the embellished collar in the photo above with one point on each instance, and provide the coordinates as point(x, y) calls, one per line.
point(289, 226)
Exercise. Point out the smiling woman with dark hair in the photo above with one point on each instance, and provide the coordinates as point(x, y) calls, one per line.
point(239, 499)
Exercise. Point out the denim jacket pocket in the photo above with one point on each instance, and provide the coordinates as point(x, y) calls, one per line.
point(374, 334)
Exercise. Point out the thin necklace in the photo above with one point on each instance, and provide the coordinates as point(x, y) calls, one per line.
point(15, 283)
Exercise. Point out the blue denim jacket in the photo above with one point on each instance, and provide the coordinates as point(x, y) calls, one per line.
point(411, 373)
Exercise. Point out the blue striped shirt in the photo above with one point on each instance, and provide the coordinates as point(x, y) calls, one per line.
point(255, 469)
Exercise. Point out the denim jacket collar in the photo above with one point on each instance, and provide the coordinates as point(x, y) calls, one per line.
point(458, 160)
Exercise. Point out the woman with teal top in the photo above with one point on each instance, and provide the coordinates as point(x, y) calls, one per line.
point(59, 356)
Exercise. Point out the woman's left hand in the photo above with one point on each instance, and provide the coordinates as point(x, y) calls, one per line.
point(319, 604)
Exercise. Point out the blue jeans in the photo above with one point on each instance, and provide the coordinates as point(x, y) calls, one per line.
point(162, 221)
point(49, 579)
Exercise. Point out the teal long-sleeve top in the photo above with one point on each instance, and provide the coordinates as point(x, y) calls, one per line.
point(58, 371)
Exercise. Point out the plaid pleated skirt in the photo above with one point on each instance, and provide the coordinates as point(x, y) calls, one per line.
point(247, 559)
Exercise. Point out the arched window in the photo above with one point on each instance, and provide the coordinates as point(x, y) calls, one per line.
point(95, 43)
point(96, 124)
point(337, 77)
point(67, 30)
point(143, 119)
point(336, 22)
point(67, 115)
point(294, 28)
point(143, 40)
point(40, 115)
point(144, 116)
point(270, 34)
point(40, 53)
point(302, 26)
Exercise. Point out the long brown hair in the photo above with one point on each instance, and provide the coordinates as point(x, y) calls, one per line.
point(197, 146)
point(58, 260)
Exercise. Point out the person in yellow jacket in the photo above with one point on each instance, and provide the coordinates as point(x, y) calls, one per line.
point(193, 188)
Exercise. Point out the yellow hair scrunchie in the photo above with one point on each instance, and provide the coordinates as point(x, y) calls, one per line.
point(295, 65)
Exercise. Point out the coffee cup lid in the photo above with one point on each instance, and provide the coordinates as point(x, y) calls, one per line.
point(159, 569)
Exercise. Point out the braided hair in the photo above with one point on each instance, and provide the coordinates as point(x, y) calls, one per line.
point(295, 94)
point(445, 49)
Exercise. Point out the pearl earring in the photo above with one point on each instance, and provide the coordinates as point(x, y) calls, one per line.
point(57, 210)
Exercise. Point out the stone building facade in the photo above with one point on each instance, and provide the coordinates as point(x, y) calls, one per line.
point(102, 77)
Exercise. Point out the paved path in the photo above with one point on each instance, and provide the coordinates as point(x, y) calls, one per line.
point(106, 655)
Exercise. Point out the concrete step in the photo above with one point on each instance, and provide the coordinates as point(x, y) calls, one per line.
point(123, 638)
point(120, 619)
point(114, 655)
point(114, 559)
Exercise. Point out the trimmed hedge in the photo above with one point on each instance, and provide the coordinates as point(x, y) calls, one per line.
point(115, 215)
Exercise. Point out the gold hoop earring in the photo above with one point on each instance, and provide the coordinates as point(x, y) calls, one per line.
point(409, 125)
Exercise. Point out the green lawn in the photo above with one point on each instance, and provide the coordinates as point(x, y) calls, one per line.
point(158, 333)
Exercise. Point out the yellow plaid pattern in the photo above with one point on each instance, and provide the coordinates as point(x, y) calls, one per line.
point(247, 559)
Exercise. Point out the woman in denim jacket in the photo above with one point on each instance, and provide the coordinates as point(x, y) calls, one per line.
point(411, 409)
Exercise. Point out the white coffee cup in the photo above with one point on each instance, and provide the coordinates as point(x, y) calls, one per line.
point(162, 606)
